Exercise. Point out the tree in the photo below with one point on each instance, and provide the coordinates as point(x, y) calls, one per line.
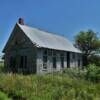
point(88, 42)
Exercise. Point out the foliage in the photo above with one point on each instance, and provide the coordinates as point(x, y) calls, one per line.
point(88, 43)
point(4, 96)
point(94, 59)
point(69, 84)
point(57, 86)
point(93, 73)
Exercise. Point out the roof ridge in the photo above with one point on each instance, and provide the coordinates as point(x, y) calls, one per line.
point(42, 30)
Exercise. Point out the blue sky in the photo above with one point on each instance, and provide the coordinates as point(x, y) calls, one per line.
point(64, 17)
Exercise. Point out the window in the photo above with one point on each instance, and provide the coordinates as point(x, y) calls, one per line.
point(45, 62)
point(12, 62)
point(62, 54)
point(62, 59)
point(62, 62)
point(79, 63)
point(45, 52)
point(68, 59)
point(45, 59)
point(23, 62)
point(54, 53)
point(49, 52)
point(54, 62)
point(73, 55)
point(16, 42)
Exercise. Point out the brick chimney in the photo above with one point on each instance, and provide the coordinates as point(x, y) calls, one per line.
point(21, 21)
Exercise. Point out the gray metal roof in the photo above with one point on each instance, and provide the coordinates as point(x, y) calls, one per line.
point(48, 40)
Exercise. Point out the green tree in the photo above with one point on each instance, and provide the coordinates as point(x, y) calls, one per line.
point(88, 42)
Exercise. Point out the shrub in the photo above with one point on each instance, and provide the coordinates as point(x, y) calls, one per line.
point(93, 73)
point(4, 96)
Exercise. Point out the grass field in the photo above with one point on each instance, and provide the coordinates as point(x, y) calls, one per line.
point(67, 85)
point(71, 84)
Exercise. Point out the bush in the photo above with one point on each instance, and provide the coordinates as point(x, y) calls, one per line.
point(94, 59)
point(93, 73)
point(4, 96)
point(74, 73)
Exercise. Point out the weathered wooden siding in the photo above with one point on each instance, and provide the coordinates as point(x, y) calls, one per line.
point(20, 45)
point(50, 69)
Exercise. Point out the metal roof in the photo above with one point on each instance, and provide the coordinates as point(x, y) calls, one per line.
point(48, 40)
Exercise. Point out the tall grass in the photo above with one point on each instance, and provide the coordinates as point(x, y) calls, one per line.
point(70, 84)
point(48, 87)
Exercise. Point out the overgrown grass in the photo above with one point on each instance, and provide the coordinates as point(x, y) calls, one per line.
point(4, 96)
point(69, 84)
point(48, 87)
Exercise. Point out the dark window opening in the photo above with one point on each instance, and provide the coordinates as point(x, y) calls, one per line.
point(79, 63)
point(54, 53)
point(16, 42)
point(54, 62)
point(45, 62)
point(23, 62)
point(12, 62)
point(73, 56)
point(62, 54)
point(62, 62)
point(68, 59)
point(45, 52)
point(49, 52)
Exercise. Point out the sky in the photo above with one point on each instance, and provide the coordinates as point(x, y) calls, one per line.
point(63, 17)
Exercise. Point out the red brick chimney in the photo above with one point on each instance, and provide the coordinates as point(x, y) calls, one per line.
point(21, 21)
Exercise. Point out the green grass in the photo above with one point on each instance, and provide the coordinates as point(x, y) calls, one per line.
point(71, 84)
point(4, 96)
point(49, 87)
